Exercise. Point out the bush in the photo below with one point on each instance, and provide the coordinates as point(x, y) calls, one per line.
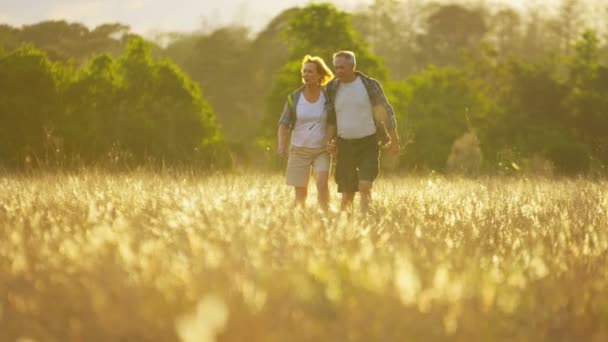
point(436, 108)
point(465, 156)
point(569, 158)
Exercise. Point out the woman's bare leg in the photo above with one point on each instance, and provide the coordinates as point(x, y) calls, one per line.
point(301, 193)
point(321, 179)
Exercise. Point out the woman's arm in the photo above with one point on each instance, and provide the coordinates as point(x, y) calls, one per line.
point(282, 137)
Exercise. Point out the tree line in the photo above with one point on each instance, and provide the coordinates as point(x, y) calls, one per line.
point(490, 87)
point(123, 110)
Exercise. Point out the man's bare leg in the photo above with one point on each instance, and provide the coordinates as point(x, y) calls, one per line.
point(365, 189)
point(347, 200)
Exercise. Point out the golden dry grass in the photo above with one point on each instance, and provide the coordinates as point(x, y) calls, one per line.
point(146, 256)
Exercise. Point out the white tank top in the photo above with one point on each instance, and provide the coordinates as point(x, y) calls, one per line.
point(309, 129)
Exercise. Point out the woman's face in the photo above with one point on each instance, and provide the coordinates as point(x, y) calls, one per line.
point(310, 75)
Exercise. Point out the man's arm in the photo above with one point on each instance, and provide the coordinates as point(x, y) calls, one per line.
point(383, 113)
point(394, 135)
point(381, 100)
point(331, 131)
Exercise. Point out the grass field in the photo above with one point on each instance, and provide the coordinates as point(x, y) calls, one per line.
point(145, 256)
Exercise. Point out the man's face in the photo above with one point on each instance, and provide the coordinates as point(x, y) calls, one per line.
point(343, 69)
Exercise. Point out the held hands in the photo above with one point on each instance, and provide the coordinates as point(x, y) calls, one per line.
point(331, 147)
point(392, 147)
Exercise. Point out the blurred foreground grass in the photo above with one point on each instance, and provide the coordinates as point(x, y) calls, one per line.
point(146, 256)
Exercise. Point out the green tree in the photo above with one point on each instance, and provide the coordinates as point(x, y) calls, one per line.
point(268, 53)
point(506, 30)
point(218, 62)
point(63, 41)
point(390, 27)
point(438, 106)
point(8, 37)
point(134, 104)
point(235, 72)
point(29, 105)
point(537, 41)
point(587, 102)
point(89, 121)
point(567, 26)
point(321, 30)
point(450, 29)
point(537, 122)
point(162, 113)
point(185, 122)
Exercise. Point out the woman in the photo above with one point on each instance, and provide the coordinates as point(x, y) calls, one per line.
point(305, 116)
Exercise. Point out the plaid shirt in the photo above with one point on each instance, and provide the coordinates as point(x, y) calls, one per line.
point(374, 91)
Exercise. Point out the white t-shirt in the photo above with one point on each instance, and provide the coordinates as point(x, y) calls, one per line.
point(354, 116)
point(309, 130)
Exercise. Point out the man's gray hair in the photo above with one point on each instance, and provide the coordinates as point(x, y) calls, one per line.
point(348, 55)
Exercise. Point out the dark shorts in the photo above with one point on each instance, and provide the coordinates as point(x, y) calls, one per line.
point(357, 159)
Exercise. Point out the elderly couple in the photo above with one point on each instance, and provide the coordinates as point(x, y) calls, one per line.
point(347, 117)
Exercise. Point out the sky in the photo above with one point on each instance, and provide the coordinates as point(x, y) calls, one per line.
point(149, 16)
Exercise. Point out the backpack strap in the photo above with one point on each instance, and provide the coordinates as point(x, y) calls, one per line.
point(292, 100)
point(292, 111)
point(330, 90)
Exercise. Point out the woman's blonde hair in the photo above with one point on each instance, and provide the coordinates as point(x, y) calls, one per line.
point(322, 69)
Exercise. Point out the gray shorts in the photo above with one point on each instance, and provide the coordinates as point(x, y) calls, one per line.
point(300, 161)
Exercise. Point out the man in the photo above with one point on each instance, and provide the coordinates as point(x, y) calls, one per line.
point(358, 116)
